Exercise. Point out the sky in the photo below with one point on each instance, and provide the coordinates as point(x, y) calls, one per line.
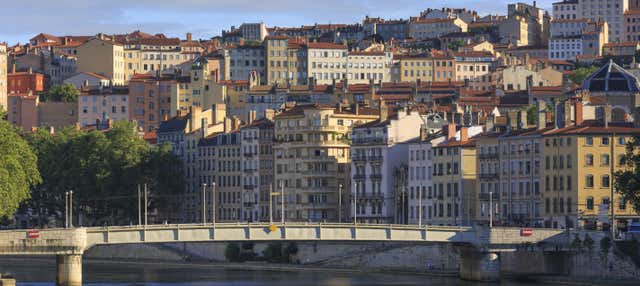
point(205, 18)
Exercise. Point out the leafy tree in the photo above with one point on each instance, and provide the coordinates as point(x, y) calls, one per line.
point(453, 46)
point(18, 169)
point(605, 246)
point(580, 74)
point(588, 242)
point(627, 181)
point(104, 170)
point(532, 114)
point(61, 93)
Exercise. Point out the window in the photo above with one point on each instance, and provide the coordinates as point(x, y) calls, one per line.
point(590, 203)
point(589, 181)
point(588, 141)
point(588, 160)
point(621, 141)
point(605, 181)
point(604, 159)
point(605, 141)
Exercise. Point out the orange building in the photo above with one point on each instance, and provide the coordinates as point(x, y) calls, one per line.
point(25, 82)
point(150, 99)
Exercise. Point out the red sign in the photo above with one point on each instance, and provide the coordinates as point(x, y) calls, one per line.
point(526, 232)
point(33, 234)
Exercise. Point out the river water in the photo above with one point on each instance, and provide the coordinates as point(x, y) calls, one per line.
point(41, 272)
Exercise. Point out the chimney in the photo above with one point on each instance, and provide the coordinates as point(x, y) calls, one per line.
point(204, 129)
point(464, 134)
point(269, 114)
point(451, 131)
point(188, 37)
point(235, 123)
point(227, 125)
point(607, 116)
point(567, 113)
point(578, 117)
point(513, 119)
point(252, 117)
point(423, 133)
point(542, 114)
point(384, 110)
point(491, 123)
point(13, 68)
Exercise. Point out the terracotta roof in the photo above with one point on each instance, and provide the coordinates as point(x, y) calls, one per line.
point(325, 45)
point(623, 44)
point(595, 127)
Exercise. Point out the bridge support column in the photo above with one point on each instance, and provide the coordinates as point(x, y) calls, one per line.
point(479, 266)
point(69, 269)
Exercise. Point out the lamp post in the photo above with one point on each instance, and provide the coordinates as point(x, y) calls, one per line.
point(419, 208)
point(66, 209)
point(139, 206)
point(270, 204)
point(340, 203)
point(282, 213)
point(71, 209)
point(490, 209)
point(355, 204)
point(145, 204)
point(213, 203)
point(204, 203)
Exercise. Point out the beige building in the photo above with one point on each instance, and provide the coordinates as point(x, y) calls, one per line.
point(312, 158)
point(28, 112)
point(612, 12)
point(475, 68)
point(102, 105)
point(277, 64)
point(415, 67)
point(421, 29)
point(326, 62)
point(103, 56)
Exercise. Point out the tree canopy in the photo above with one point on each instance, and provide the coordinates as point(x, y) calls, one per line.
point(61, 93)
point(580, 74)
point(627, 181)
point(104, 170)
point(18, 169)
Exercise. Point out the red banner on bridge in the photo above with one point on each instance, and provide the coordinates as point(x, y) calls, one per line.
point(33, 234)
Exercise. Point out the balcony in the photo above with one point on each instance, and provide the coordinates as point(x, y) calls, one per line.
point(375, 176)
point(250, 170)
point(249, 186)
point(359, 177)
point(489, 176)
point(485, 196)
point(375, 158)
point(369, 141)
point(248, 154)
point(358, 159)
point(488, 156)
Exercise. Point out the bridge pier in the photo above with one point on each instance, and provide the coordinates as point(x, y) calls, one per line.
point(69, 268)
point(479, 266)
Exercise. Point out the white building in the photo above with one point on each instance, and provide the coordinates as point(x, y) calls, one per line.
point(421, 29)
point(376, 150)
point(253, 31)
point(244, 59)
point(326, 61)
point(566, 9)
point(103, 106)
point(420, 182)
point(610, 11)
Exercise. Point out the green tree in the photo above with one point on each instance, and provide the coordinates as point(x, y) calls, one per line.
point(61, 93)
point(532, 114)
point(580, 74)
point(453, 46)
point(104, 170)
point(627, 180)
point(232, 252)
point(18, 169)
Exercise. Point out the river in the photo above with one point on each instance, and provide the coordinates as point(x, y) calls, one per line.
point(41, 272)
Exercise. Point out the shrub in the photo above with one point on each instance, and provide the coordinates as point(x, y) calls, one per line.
point(232, 253)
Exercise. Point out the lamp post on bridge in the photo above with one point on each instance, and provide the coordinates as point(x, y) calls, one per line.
point(66, 209)
point(204, 203)
point(213, 202)
point(340, 203)
point(71, 209)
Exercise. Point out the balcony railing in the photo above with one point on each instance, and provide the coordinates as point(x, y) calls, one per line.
point(375, 158)
point(375, 176)
point(249, 186)
point(367, 141)
point(248, 154)
point(486, 196)
point(359, 177)
point(356, 158)
point(488, 156)
point(250, 170)
point(489, 176)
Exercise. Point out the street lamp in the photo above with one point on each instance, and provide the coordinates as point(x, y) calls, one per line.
point(71, 209)
point(419, 207)
point(340, 203)
point(66, 209)
point(213, 202)
point(490, 209)
point(355, 204)
point(282, 213)
point(204, 203)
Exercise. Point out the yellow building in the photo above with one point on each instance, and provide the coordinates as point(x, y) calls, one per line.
point(277, 63)
point(104, 56)
point(416, 67)
point(312, 158)
point(579, 162)
point(297, 61)
point(454, 180)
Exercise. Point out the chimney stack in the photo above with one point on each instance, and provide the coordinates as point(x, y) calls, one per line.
point(227, 125)
point(451, 131)
point(491, 123)
point(204, 128)
point(542, 114)
point(607, 116)
point(578, 113)
point(188, 37)
point(235, 123)
point(567, 113)
point(252, 116)
point(464, 134)
point(269, 114)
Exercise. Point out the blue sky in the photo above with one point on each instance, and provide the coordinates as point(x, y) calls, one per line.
point(204, 18)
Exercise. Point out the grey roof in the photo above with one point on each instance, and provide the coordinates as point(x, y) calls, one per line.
point(611, 77)
point(173, 125)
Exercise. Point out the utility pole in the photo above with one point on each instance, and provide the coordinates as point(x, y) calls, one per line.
point(71, 209)
point(282, 203)
point(270, 204)
point(340, 203)
point(490, 209)
point(139, 206)
point(145, 204)
point(355, 204)
point(213, 202)
point(204, 203)
point(66, 209)
point(420, 208)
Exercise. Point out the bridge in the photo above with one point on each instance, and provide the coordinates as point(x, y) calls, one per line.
point(479, 256)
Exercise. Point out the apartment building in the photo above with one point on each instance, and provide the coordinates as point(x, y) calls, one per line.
point(364, 66)
point(611, 11)
point(277, 67)
point(415, 67)
point(476, 69)
point(104, 56)
point(25, 82)
point(526, 25)
point(621, 49)
point(377, 149)
point(420, 184)
point(150, 99)
point(28, 112)
point(454, 179)
point(326, 61)
point(297, 61)
point(3, 75)
point(256, 143)
point(573, 38)
point(421, 29)
point(566, 10)
point(151, 55)
point(444, 68)
point(245, 59)
point(312, 158)
point(102, 105)
point(387, 29)
point(631, 25)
